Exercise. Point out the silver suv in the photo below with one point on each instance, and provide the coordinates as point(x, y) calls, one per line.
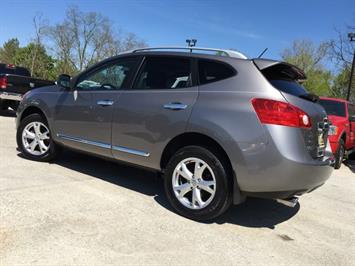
point(220, 127)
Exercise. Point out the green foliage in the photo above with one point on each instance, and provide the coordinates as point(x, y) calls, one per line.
point(308, 57)
point(341, 84)
point(9, 50)
point(35, 58)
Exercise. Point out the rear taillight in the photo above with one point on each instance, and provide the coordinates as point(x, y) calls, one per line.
point(280, 113)
point(3, 82)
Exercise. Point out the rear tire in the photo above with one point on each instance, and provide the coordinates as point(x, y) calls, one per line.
point(339, 155)
point(197, 183)
point(34, 139)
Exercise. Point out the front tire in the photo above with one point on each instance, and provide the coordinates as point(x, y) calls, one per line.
point(34, 139)
point(339, 156)
point(197, 183)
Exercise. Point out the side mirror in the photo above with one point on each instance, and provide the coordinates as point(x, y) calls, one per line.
point(64, 81)
point(352, 118)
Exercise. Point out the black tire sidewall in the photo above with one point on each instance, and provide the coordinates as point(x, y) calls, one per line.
point(50, 154)
point(338, 160)
point(222, 198)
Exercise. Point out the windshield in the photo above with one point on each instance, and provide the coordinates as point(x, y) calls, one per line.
point(288, 86)
point(333, 107)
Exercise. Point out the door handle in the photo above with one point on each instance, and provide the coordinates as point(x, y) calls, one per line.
point(105, 102)
point(175, 106)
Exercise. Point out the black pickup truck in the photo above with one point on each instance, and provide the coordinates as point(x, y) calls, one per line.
point(14, 83)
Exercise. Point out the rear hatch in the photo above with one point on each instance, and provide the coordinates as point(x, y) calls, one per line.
point(286, 78)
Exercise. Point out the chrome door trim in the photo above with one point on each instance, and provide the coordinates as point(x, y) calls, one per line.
point(104, 145)
point(84, 141)
point(105, 102)
point(175, 106)
point(131, 151)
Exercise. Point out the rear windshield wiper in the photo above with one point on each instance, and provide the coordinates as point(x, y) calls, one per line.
point(310, 97)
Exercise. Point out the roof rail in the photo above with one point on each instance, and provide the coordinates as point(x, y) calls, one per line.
point(222, 52)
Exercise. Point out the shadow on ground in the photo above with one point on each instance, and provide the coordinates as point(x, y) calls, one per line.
point(8, 113)
point(253, 213)
point(350, 163)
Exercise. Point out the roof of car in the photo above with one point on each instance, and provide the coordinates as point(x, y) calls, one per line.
point(334, 99)
point(191, 50)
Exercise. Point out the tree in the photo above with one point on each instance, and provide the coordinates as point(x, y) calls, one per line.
point(83, 39)
point(309, 58)
point(43, 66)
point(341, 53)
point(9, 51)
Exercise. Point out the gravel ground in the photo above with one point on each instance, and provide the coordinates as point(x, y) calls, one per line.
point(84, 210)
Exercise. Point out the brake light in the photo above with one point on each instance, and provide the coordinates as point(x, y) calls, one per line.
point(280, 113)
point(3, 82)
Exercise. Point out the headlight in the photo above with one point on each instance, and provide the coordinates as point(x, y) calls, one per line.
point(333, 130)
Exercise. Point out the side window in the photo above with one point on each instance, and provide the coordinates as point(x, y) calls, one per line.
point(211, 71)
point(109, 77)
point(164, 73)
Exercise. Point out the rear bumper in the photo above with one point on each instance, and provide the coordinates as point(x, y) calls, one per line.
point(10, 96)
point(281, 167)
point(298, 180)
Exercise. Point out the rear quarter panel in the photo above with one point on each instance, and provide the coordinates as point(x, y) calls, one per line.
point(224, 112)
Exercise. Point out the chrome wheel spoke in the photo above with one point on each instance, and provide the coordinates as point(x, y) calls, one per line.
point(44, 136)
point(33, 145)
point(37, 128)
point(28, 134)
point(42, 146)
point(196, 197)
point(183, 189)
point(184, 172)
point(199, 168)
point(206, 186)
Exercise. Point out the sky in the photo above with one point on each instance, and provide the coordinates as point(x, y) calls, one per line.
point(248, 26)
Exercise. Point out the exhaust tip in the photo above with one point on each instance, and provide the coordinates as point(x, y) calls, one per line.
point(290, 202)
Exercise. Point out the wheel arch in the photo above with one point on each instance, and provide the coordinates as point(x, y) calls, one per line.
point(199, 139)
point(32, 110)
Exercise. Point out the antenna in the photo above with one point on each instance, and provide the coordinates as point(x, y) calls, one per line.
point(263, 52)
point(191, 43)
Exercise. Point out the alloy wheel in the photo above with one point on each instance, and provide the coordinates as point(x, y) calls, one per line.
point(194, 183)
point(35, 138)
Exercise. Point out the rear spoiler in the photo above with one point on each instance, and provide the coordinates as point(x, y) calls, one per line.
point(288, 70)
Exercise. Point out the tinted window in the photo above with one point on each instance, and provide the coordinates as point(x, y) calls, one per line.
point(288, 86)
point(333, 107)
point(110, 77)
point(13, 70)
point(164, 73)
point(211, 71)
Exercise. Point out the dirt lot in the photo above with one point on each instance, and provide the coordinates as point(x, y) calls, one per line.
point(84, 210)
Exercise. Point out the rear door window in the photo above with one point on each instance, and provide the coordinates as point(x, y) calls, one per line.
point(334, 107)
point(212, 71)
point(164, 72)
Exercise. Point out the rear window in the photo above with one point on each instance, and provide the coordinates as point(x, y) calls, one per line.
point(14, 70)
point(333, 107)
point(289, 86)
point(284, 78)
point(212, 71)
